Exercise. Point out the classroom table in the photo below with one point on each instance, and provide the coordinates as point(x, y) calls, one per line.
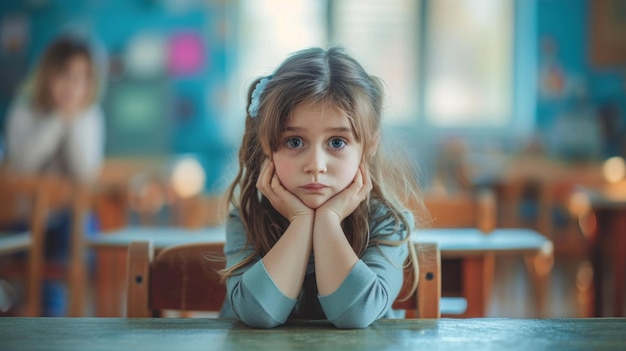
point(471, 245)
point(155, 334)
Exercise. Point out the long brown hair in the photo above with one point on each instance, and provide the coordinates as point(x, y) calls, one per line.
point(329, 77)
point(56, 59)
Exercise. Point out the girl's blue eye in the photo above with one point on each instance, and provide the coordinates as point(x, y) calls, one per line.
point(337, 143)
point(294, 143)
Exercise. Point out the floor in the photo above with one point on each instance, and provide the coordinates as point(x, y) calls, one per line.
point(568, 292)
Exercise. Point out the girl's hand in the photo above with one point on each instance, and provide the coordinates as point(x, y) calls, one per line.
point(346, 201)
point(285, 202)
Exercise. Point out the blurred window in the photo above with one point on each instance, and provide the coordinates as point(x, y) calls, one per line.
point(272, 29)
point(468, 72)
point(384, 37)
point(444, 63)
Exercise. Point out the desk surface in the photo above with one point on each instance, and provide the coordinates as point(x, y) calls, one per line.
point(455, 242)
point(405, 334)
point(161, 236)
point(464, 242)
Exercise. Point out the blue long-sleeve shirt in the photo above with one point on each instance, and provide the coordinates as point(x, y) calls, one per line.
point(365, 295)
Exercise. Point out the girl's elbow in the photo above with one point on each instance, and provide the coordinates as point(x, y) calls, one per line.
point(261, 322)
point(354, 322)
point(259, 318)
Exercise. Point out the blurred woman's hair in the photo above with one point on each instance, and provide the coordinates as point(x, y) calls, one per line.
point(56, 60)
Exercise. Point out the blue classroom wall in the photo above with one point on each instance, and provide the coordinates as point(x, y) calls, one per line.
point(194, 115)
point(566, 23)
point(189, 114)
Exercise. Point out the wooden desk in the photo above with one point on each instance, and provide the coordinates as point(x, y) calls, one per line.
point(471, 245)
point(609, 206)
point(69, 334)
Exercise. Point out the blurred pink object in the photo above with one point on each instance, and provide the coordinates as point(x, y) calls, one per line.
point(186, 54)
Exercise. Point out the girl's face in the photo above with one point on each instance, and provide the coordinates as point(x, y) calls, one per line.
point(71, 86)
point(319, 156)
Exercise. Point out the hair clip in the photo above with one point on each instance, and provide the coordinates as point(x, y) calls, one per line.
point(255, 102)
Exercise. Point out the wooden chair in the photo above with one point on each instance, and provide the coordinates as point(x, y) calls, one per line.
point(115, 205)
point(24, 201)
point(31, 199)
point(184, 277)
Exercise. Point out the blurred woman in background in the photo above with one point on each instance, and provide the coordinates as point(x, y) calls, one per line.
point(55, 126)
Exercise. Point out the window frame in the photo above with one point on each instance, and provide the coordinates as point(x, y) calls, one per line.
point(523, 85)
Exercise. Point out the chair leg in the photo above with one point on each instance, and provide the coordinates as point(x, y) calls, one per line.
point(36, 256)
point(539, 267)
point(77, 279)
point(35, 268)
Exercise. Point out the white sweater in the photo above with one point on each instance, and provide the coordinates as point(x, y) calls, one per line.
point(39, 144)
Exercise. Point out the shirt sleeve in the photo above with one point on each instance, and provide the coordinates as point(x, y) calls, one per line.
point(252, 294)
point(374, 282)
point(84, 149)
point(32, 140)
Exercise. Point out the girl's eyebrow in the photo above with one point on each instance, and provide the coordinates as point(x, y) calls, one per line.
point(329, 129)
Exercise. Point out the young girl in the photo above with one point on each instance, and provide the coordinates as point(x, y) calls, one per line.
point(55, 124)
point(318, 229)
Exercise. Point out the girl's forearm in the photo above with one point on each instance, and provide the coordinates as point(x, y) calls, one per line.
point(31, 140)
point(334, 257)
point(287, 261)
point(84, 149)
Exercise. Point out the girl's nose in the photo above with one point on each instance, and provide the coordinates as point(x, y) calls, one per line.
point(315, 162)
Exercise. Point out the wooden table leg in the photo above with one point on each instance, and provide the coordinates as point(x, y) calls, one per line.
point(619, 261)
point(597, 262)
point(539, 267)
point(474, 286)
point(105, 280)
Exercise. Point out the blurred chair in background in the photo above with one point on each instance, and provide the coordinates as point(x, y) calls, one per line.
point(22, 202)
point(29, 204)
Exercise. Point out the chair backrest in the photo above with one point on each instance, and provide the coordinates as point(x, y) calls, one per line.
point(463, 210)
point(424, 302)
point(184, 277)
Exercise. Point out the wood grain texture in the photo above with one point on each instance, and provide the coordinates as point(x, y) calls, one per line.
point(403, 334)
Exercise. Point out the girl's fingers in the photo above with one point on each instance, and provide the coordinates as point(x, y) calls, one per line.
point(358, 180)
point(367, 179)
point(275, 183)
point(366, 182)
